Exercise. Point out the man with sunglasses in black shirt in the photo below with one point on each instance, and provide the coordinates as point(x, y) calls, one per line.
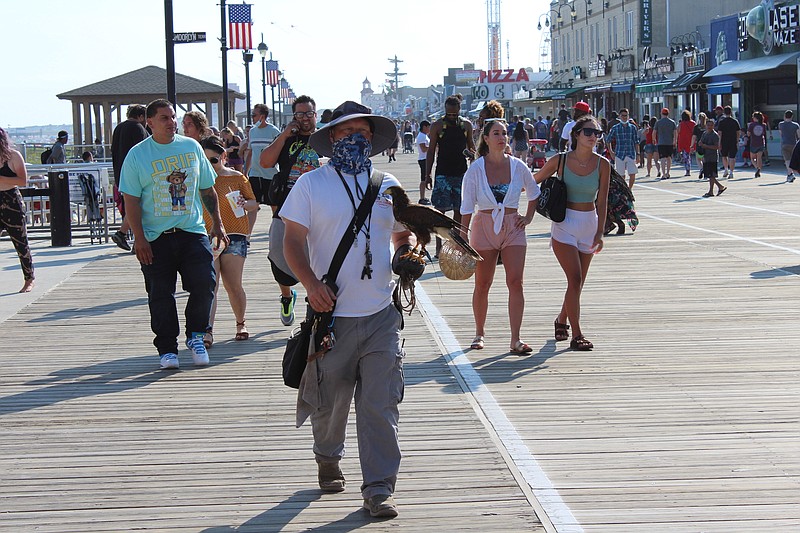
point(294, 157)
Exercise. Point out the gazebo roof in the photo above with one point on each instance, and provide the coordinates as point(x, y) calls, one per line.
point(150, 80)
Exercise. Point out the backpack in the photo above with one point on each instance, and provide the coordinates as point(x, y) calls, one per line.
point(46, 155)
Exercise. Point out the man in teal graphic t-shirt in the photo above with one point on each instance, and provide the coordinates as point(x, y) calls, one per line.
point(167, 180)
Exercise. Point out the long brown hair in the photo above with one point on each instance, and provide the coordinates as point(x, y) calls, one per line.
point(483, 148)
point(576, 129)
point(5, 146)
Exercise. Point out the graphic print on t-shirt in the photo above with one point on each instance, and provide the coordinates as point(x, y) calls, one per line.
point(307, 160)
point(174, 180)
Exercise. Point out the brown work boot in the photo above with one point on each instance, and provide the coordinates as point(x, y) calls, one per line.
point(330, 477)
point(381, 506)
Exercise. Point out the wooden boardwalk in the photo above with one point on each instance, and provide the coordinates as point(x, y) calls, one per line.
point(684, 418)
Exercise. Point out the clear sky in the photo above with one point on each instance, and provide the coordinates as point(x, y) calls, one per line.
point(325, 47)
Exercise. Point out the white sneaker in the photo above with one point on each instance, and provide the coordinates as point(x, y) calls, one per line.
point(170, 360)
point(199, 353)
point(725, 174)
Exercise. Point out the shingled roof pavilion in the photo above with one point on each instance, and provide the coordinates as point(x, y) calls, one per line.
point(139, 87)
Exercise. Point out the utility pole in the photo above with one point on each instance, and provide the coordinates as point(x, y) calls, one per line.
point(168, 31)
point(396, 75)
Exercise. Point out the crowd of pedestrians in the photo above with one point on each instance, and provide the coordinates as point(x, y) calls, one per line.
point(190, 202)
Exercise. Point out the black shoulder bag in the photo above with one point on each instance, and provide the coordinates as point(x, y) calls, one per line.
point(298, 348)
point(553, 198)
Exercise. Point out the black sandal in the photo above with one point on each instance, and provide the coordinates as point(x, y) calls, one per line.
point(581, 344)
point(208, 339)
point(562, 331)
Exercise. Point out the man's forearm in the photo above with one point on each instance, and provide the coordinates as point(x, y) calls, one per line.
point(133, 215)
point(209, 197)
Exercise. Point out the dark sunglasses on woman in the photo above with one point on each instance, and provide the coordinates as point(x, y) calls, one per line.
point(591, 131)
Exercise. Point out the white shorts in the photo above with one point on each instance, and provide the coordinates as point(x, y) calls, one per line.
point(578, 229)
point(625, 166)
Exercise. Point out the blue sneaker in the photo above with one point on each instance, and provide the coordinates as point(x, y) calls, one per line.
point(287, 308)
point(199, 353)
point(169, 360)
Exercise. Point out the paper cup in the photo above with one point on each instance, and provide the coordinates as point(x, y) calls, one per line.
point(233, 200)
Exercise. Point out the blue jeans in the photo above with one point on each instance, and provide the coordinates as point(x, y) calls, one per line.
point(187, 254)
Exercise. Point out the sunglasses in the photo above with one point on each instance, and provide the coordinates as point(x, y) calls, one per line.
point(213, 160)
point(589, 132)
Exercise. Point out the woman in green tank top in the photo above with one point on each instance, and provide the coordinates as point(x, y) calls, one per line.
point(575, 240)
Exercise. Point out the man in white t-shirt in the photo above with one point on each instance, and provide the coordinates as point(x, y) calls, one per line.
point(422, 154)
point(367, 355)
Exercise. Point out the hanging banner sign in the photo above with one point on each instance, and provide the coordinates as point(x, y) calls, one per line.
point(646, 22)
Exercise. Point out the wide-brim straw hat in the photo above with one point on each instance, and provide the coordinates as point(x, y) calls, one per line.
point(455, 263)
point(383, 135)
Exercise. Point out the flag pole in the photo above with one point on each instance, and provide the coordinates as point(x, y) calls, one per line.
point(224, 48)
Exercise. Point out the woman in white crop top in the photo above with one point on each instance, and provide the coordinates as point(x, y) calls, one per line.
point(493, 185)
point(580, 235)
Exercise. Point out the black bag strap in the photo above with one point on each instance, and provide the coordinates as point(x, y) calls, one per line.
point(354, 227)
point(562, 160)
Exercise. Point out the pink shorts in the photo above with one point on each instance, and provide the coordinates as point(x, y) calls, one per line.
point(483, 237)
point(578, 229)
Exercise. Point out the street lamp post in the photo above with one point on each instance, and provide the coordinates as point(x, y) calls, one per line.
point(247, 56)
point(262, 50)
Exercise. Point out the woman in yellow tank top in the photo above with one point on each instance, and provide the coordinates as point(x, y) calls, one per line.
point(230, 263)
point(580, 235)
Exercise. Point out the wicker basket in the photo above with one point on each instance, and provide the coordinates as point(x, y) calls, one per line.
point(454, 262)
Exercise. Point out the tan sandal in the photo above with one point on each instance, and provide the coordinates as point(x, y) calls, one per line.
point(242, 334)
point(478, 343)
point(521, 347)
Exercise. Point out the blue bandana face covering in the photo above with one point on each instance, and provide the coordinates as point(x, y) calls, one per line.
point(351, 154)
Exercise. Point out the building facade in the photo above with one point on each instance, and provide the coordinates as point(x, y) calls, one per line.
point(680, 54)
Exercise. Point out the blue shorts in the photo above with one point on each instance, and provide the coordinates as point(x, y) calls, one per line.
point(446, 194)
point(238, 246)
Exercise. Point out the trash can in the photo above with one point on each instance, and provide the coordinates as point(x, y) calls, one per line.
point(60, 215)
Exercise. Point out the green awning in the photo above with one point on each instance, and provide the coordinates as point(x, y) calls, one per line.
point(652, 87)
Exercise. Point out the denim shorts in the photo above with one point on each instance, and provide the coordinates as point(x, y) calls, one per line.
point(238, 245)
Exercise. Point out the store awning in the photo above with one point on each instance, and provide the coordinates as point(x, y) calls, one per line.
point(721, 87)
point(622, 88)
point(555, 94)
point(683, 84)
point(750, 66)
point(598, 89)
point(652, 87)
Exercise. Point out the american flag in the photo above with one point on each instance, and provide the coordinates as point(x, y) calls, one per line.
point(240, 26)
point(273, 74)
point(284, 89)
point(291, 97)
